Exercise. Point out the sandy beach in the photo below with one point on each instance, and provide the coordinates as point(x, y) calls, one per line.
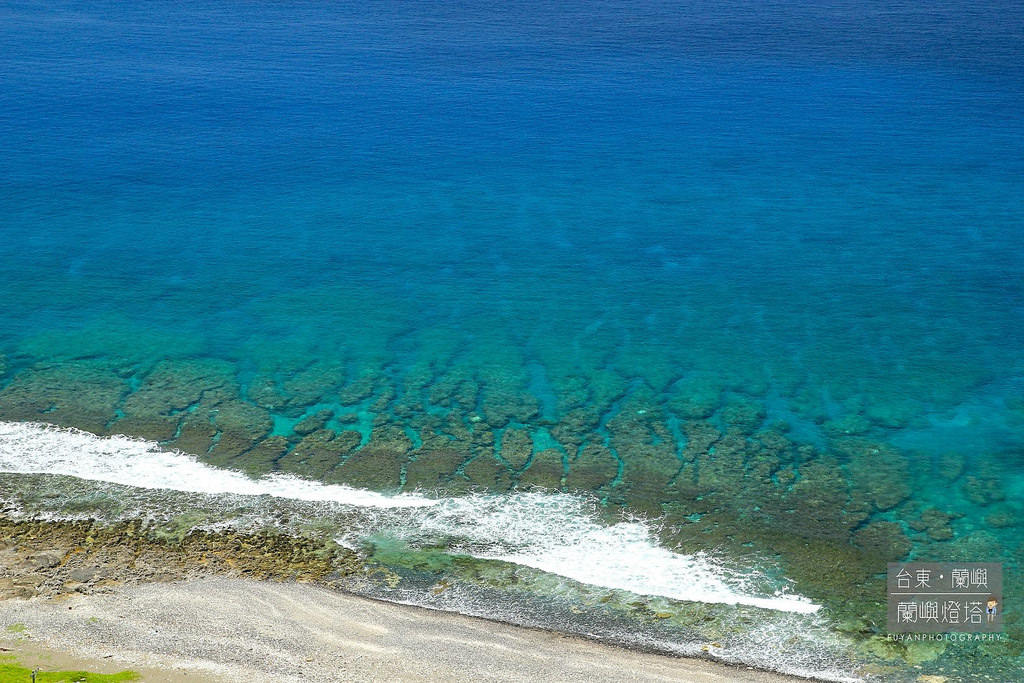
point(229, 629)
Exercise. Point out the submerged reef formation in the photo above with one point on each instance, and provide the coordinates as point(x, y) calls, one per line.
point(752, 464)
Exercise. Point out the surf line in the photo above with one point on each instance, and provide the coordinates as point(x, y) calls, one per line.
point(553, 532)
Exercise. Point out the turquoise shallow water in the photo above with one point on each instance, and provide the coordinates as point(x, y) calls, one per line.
point(755, 275)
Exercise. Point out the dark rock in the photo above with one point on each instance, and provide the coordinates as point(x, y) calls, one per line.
point(43, 560)
point(594, 467)
point(433, 467)
point(546, 470)
point(313, 423)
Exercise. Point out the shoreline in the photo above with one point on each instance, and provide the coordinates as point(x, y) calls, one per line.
point(71, 590)
point(232, 629)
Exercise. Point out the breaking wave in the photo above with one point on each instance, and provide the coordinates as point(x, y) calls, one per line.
point(553, 532)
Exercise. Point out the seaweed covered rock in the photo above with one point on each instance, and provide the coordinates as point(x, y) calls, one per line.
point(593, 467)
point(935, 523)
point(696, 397)
point(951, 466)
point(878, 473)
point(506, 399)
point(434, 467)
point(743, 414)
point(546, 470)
point(883, 541)
point(170, 391)
point(983, 490)
point(1005, 516)
point(816, 504)
point(516, 448)
point(82, 394)
point(312, 384)
point(378, 464)
point(648, 450)
point(373, 467)
point(980, 543)
point(240, 426)
point(722, 468)
point(701, 437)
point(574, 427)
point(312, 423)
point(487, 471)
point(264, 392)
point(848, 425)
point(360, 389)
point(195, 433)
point(453, 391)
point(319, 453)
point(262, 458)
point(174, 386)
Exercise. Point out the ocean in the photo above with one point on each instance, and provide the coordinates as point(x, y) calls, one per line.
point(622, 319)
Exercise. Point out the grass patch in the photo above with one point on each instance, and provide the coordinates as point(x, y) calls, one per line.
point(12, 672)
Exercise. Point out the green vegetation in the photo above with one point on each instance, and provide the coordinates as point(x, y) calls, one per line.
point(11, 672)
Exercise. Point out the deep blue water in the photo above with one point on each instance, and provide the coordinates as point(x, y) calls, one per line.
point(818, 205)
point(833, 184)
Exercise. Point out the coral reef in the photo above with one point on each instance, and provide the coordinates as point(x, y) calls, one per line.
point(712, 456)
point(82, 394)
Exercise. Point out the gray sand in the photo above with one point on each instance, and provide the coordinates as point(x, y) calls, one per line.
point(237, 630)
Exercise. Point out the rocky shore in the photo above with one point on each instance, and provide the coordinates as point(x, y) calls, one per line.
point(230, 606)
point(53, 558)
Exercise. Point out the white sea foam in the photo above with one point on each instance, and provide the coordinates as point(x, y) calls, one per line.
point(559, 534)
point(30, 448)
point(552, 532)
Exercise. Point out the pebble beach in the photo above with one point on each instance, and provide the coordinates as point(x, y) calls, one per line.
point(229, 629)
